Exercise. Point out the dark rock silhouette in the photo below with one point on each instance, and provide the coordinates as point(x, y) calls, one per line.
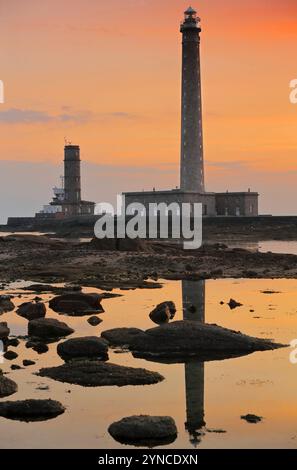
point(77, 304)
point(31, 410)
point(92, 373)
point(87, 347)
point(32, 310)
point(7, 386)
point(148, 431)
point(48, 329)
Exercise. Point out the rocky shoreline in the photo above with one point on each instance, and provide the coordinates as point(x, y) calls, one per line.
point(46, 260)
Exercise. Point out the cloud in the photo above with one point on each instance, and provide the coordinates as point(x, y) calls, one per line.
point(16, 116)
point(31, 116)
point(228, 164)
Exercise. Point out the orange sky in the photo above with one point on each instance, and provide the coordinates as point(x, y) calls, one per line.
point(106, 74)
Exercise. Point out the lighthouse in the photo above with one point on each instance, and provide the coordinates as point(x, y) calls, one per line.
point(192, 164)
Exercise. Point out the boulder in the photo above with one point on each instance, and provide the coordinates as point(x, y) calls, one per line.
point(183, 339)
point(37, 346)
point(6, 305)
point(77, 304)
point(93, 373)
point(40, 348)
point(122, 337)
point(88, 347)
point(31, 410)
point(149, 431)
point(7, 386)
point(4, 330)
point(48, 329)
point(10, 355)
point(163, 313)
point(32, 310)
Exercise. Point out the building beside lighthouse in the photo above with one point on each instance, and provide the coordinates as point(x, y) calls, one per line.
point(192, 183)
point(67, 201)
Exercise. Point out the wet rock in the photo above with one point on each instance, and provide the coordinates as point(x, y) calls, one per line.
point(94, 321)
point(4, 330)
point(190, 338)
point(163, 313)
point(28, 362)
point(13, 342)
point(7, 386)
point(77, 304)
point(15, 367)
point(234, 304)
point(88, 347)
point(32, 310)
point(48, 328)
point(40, 348)
point(10, 355)
point(31, 410)
point(121, 336)
point(93, 373)
point(6, 305)
point(147, 431)
point(252, 419)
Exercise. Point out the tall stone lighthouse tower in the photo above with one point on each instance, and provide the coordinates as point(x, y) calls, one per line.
point(192, 164)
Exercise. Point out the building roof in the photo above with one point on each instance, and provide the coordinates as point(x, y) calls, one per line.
point(190, 11)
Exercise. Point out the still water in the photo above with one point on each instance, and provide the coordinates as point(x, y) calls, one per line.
point(285, 247)
point(202, 398)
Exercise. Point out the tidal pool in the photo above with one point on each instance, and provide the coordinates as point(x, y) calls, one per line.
point(204, 399)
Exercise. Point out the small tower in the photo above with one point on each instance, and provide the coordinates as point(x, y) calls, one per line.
point(72, 184)
point(192, 164)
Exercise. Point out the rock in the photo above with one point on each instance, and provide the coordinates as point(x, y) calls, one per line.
point(10, 355)
point(146, 431)
point(40, 348)
point(234, 304)
point(31, 410)
point(126, 244)
point(32, 310)
point(48, 328)
point(252, 419)
point(13, 342)
point(15, 367)
point(163, 313)
point(88, 347)
point(77, 304)
point(184, 339)
point(37, 346)
point(121, 336)
point(6, 305)
point(28, 362)
point(94, 321)
point(93, 373)
point(4, 330)
point(7, 386)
